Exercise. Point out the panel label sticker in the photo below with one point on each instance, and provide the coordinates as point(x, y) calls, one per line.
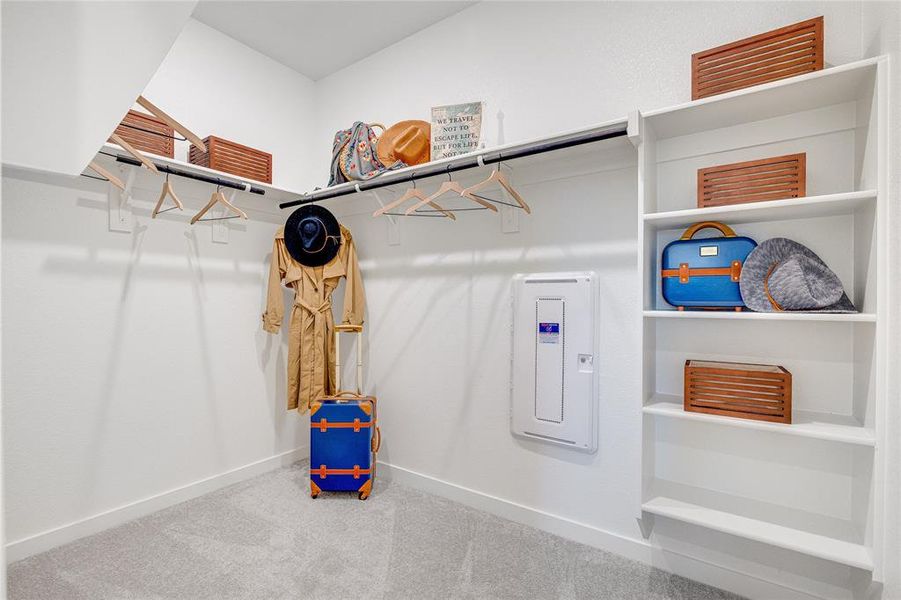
point(710, 250)
point(549, 333)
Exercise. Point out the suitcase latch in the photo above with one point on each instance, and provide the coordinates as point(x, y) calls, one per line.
point(735, 271)
point(683, 273)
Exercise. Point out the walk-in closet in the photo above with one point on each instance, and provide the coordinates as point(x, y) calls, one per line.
point(459, 299)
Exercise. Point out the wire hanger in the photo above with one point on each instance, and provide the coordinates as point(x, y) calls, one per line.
point(218, 198)
point(411, 193)
point(167, 191)
point(497, 176)
point(451, 186)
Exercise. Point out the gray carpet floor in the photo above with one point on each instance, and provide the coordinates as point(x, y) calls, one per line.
point(265, 538)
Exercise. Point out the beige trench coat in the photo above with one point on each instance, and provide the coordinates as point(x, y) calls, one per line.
point(311, 338)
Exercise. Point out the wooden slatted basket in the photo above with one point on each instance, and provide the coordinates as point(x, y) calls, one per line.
point(747, 391)
point(147, 133)
point(770, 56)
point(231, 157)
point(774, 178)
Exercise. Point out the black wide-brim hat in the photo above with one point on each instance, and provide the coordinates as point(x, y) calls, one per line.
point(312, 235)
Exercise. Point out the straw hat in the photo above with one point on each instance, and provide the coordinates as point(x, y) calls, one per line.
point(407, 141)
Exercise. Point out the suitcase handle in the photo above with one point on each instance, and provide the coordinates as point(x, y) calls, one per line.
point(343, 328)
point(376, 440)
point(722, 227)
point(351, 394)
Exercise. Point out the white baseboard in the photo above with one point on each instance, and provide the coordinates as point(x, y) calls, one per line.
point(636, 549)
point(41, 542)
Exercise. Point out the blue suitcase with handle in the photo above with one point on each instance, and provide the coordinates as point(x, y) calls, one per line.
point(705, 273)
point(344, 435)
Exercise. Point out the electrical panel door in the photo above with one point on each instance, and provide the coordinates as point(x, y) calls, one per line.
point(554, 390)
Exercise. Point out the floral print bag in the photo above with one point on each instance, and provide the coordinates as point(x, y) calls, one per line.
point(354, 157)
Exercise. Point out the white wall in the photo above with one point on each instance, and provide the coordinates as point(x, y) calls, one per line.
point(218, 86)
point(544, 67)
point(135, 363)
point(71, 70)
point(438, 334)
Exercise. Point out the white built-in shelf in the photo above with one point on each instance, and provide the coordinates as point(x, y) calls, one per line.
point(775, 210)
point(820, 546)
point(828, 87)
point(747, 315)
point(810, 424)
point(812, 486)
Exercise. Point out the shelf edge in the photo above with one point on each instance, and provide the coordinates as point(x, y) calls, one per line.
point(824, 200)
point(854, 555)
point(867, 441)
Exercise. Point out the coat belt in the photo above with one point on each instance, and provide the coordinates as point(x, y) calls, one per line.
point(320, 356)
point(326, 304)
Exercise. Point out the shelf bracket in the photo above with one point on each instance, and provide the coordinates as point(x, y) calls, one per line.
point(393, 222)
point(121, 218)
point(646, 525)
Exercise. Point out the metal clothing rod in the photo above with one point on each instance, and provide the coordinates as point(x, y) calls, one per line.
point(244, 187)
point(465, 162)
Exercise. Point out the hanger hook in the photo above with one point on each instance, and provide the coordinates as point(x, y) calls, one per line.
point(500, 161)
point(413, 179)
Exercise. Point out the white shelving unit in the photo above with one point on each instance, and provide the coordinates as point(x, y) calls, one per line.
point(814, 486)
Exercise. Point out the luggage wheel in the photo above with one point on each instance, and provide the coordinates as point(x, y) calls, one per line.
point(363, 495)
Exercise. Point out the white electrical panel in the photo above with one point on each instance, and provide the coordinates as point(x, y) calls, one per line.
point(554, 390)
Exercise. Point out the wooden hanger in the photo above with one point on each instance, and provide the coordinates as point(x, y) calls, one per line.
point(167, 191)
point(116, 139)
point(104, 173)
point(414, 192)
point(218, 198)
point(497, 176)
point(190, 135)
point(446, 187)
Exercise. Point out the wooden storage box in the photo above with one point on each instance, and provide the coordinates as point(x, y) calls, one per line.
point(770, 56)
point(774, 178)
point(747, 391)
point(230, 157)
point(147, 134)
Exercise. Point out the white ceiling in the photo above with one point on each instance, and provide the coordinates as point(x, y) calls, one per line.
point(319, 38)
